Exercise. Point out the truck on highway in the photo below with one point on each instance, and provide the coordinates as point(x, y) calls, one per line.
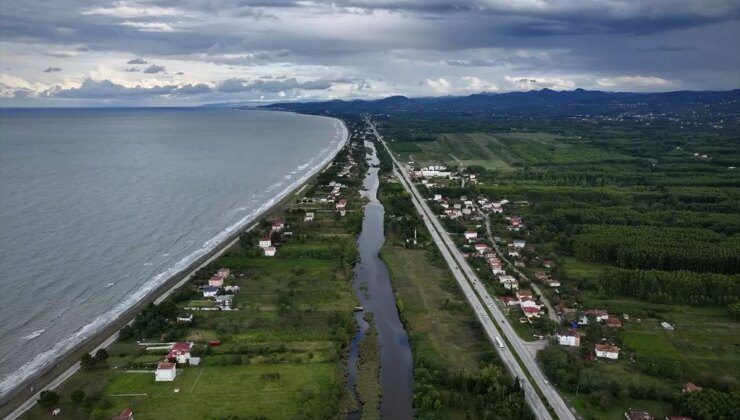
point(499, 342)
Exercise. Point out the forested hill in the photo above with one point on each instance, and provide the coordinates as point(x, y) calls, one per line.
point(536, 102)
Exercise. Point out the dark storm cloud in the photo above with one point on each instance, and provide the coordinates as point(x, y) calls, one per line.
point(235, 85)
point(52, 69)
point(154, 69)
point(105, 89)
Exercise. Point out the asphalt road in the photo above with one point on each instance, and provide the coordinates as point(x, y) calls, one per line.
point(486, 308)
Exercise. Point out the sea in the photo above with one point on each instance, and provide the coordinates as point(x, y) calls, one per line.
point(98, 207)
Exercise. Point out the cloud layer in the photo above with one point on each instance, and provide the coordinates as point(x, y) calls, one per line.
point(189, 52)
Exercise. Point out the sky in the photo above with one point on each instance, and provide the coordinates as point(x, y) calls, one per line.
point(189, 52)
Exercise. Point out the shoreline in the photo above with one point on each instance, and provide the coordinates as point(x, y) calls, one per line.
point(17, 401)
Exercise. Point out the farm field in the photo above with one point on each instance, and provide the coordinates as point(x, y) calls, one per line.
point(638, 221)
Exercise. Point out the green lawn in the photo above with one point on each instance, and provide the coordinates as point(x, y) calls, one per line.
point(214, 392)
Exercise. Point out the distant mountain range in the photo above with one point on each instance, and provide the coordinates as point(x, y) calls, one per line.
point(545, 101)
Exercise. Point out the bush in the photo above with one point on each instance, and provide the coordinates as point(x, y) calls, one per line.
point(77, 396)
point(48, 399)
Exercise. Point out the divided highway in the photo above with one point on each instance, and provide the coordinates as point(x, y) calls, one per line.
point(486, 309)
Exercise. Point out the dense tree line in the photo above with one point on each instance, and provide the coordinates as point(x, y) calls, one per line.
point(491, 393)
point(709, 405)
point(659, 248)
point(671, 287)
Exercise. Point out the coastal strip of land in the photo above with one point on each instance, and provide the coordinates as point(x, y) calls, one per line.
point(24, 397)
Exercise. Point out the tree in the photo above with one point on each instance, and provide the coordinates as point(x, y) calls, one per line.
point(77, 396)
point(101, 355)
point(87, 362)
point(48, 399)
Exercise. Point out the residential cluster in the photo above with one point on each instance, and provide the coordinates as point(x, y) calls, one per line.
point(220, 293)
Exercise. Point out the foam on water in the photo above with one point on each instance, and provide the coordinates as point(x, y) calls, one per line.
point(47, 357)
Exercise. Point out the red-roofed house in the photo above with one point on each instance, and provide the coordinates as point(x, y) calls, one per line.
point(180, 352)
point(531, 311)
point(599, 314)
point(270, 251)
point(216, 281)
point(691, 387)
point(481, 248)
point(341, 204)
point(278, 225)
point(166, 372)
point(509, 300)
point(613, 322)
point(607, 351)
point(126, 414)
point(569, 338)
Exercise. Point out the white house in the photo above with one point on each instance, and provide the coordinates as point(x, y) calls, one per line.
point(265, 242)
point(607, 351)
point(481, 248)
point(165, 372)
point(471, 234)
point(528, 303)
point(437, 197)
point(570, 338)
point(308, 217)
point(600, 314)
point(270, 251)
point(519, 243)
point(179, 352)
point(224, 273)
point(210, 291)
point(342, 204)
point(278, 225)
point(468, 203)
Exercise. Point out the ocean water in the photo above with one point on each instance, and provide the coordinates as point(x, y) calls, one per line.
point(100, 206)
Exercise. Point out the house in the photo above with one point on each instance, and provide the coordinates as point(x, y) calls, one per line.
point(265, 242)
point(126, 414)
point(232, 289)
point(509, 282)
point(481, 248)
point(308, 217)
point(194, 361)
point(524, 294)
point(637, 415)
point(224, 273)
point(570, 338)
point(509, 300)
point(466, 211)
point(515, 223)
point(224, 301)
point(528, 303)
point(185, 318)
point(548, 263)
point(600, 314)
point(519, 243)
point(209, 291)
point(179, 352)
point(513, 254)
point(471, 234)
point(530, 311)
point(216, 281)
point(468, 203)
point(278, 225)
point(666, 326)
point(607, 351)
point(165, 372)
point(341, 204)
point(437, 197)
point(270, 251)
point(691, 387)
point(613, 322)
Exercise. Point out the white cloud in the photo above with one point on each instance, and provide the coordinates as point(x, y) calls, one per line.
point(634, 82)
point(127, 10)
point(150, 26)
point(439, 85)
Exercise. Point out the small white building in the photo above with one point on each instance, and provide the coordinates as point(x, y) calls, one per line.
point(437, 197)
point(666, 326)
point(471, 234)
point(166, 372)
point(224, 273)
point(270, 251)
point(569, 338)
point(308, 217)
point(519, 243)
point(265, 242)
point(607, 351)
point(210, 291)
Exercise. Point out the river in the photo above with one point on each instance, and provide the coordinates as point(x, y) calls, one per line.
point(373, 288)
